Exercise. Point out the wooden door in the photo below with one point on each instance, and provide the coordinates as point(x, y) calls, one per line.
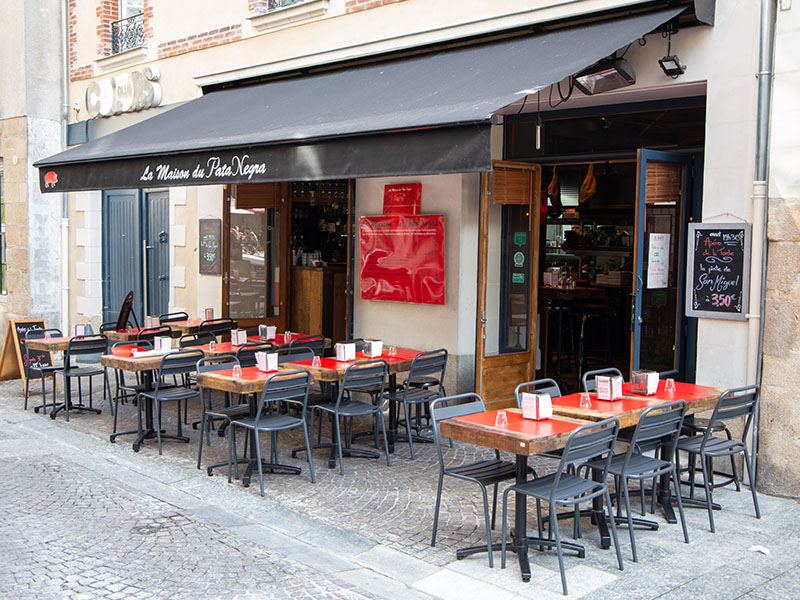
point(508, 279)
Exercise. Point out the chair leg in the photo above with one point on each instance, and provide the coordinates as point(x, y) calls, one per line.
point(629, 516)
point(385, 442)
point(202, 433)
point(613, 524)
point(676, 485)
point(230, 451)
point(408, 428)
point(27, 382)
point(335, 418)
point(733, 465)
point(308, 452)
point(257, 445)
point(158, 424)
point(752, 483)
point(438, 505)
point(504, 532)
point(708, 492)
point(559, 553)
point(487, 524)
point(494, 504)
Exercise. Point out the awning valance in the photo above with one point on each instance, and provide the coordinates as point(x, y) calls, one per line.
point(420, 115)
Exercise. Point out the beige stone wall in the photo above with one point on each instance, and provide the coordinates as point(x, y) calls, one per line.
point(14, 148)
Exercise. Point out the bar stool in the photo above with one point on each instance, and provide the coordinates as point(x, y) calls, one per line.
point(592, 314)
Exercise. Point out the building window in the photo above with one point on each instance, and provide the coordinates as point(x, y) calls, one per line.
point(128, 32)
point(3, 288)
point(263, 6)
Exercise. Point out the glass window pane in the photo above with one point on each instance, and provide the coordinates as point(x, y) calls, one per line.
point(254, 263)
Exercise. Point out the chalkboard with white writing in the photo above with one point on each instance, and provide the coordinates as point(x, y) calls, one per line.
point(718, 270)
point(210, 246)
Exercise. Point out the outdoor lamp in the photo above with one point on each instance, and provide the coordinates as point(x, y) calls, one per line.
point(605, 76)
point(672, 66)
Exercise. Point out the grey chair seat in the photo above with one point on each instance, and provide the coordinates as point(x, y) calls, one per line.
point(172, 393)
point(638, 464)
point(353, 408)
point(271, 422)
point(83, 371)
point(715, 446)
point(414, 395)
point(487, 472)
point(569, 487)
point(229, 412)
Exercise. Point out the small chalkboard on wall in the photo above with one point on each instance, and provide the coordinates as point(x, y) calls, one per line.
point(718, 270)
point(210, 246)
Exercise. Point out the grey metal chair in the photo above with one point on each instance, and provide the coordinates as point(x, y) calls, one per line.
point(733, 404)
point(78, 348)
point(35, 370)
point(151, 333)
point(125, 391)
point(589, 384)
point(592, 441)
point(247, 353)
point(179, 363)
point(487, 472)
point(210, 414)
point(358, 377)
point(290, 387)
point(217, 327)
point(429, 365)
point(660, 425)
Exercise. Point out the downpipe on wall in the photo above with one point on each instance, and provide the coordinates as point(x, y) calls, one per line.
point(64, 122)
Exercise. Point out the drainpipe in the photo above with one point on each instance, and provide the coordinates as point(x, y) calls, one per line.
point(761, 187)
point(64, 122)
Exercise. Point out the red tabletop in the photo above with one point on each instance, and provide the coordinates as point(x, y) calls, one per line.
point(622, 405)
point(279, 340)
point(248, 373)
point(403, 355)
point(683, 391)
point(126, 351)
point(528, 427)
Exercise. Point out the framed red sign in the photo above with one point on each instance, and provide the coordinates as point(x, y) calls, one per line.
point(402, 199)
point(402, 258)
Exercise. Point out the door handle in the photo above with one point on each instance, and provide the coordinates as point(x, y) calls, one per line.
point(162, 237)
point(162, 277)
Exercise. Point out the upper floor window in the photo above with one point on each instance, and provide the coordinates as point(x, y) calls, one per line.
point(267, 5)
point(128, 32)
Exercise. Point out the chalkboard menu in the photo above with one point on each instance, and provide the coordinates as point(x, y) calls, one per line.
point(210, 245)
point(13, 361)
point(719, 270)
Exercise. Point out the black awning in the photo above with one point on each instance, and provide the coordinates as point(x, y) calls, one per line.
point(427, 114)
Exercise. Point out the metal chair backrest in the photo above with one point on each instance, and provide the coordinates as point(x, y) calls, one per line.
point(247, 353)
point(151, 333)
point(733, 404)
point(289, 386)
point(111, 326)
point(191, 340)
point(90, 344)
point(37, 334)
point(216, 363)
point(540, 386)
point(173, 317)
point(217, 326)
point(294, 354)
point(589, 384)
point(592, 441)
point(449, 407)
point(361, 375)
point(315, 342)
point(660, 423)
point(179, 363)
point(429, 364)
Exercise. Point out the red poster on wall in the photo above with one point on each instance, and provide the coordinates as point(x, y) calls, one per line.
point(402, 258)
point(402, 199)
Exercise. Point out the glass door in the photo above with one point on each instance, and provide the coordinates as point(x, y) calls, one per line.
point(658, 286)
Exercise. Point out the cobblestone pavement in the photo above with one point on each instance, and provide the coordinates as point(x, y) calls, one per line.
point(82, 517)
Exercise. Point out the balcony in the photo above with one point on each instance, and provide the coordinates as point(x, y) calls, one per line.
point(128, 33)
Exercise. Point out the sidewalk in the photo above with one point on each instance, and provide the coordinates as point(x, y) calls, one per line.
point(84, 518)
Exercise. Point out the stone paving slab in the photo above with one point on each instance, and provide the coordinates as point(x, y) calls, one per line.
point(364, 534)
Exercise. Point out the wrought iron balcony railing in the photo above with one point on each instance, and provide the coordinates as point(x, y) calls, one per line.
point(273, 4)
point(127, 34)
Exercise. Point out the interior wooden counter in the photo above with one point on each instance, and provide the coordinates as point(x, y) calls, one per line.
point(319, 301)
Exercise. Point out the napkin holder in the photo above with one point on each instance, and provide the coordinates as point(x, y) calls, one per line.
point(609, 387)
point(644, 382)
point(151, 322)
point(267, 332)
point(78, 330)
point(537, 407)
point(345, 352)
point(238, 337)
point(162, 343)
point(373, 348)
point(208, 314)
point(267, 361)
